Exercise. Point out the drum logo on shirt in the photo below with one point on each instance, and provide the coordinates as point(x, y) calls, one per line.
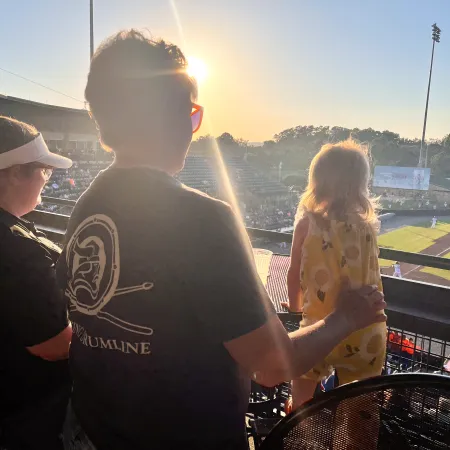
point(93, 266)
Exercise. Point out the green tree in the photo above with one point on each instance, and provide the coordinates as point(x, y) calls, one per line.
point(226, 139)
point(446, 141)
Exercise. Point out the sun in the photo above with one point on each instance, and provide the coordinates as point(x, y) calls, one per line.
point(197, 69)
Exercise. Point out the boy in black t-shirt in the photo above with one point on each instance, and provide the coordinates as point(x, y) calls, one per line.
point(169, 316)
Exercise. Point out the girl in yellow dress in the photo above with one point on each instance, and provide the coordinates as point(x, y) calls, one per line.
point(335, 242)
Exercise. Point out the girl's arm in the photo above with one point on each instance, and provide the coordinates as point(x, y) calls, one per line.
point(295, 294)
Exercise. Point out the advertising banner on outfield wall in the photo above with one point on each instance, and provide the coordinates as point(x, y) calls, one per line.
point(402, 177)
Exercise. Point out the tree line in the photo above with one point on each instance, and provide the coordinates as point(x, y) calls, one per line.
point(295, 147)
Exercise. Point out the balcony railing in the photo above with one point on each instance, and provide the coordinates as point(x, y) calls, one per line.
point(55, 225)
point(418, 313)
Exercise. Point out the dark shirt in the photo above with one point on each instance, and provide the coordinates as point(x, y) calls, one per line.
point(159, 276)
point(32, 310)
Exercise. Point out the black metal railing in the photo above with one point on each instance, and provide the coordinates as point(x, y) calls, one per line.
point(418, 313)
point(56, 224)
point(385, 253)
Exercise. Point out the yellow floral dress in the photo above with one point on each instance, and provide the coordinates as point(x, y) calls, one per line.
point(333, 250)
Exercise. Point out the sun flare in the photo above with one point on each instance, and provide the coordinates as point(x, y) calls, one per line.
point(197, 69)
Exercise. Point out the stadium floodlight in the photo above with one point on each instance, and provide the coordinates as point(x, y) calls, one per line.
point(436, 37)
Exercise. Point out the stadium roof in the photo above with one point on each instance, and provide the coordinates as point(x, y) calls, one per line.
point(8, 98)
point(48, 118)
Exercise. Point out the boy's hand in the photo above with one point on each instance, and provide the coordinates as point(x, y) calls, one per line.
point(359, 308)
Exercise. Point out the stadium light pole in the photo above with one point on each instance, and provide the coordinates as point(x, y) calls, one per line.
point(436, 37)
point(91, 13)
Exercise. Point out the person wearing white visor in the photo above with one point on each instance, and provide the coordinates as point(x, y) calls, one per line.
point(24, 172)
point(35, 333)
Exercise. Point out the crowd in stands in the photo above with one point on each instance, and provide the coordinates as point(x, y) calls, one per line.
point(401, 199)
point(249, 179)
point(273, 208)
point(270, 216)
point(70, 184)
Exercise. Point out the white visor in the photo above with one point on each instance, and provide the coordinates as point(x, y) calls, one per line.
point(34, 151)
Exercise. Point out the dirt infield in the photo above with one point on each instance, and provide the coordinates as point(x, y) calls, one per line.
point(411, 271)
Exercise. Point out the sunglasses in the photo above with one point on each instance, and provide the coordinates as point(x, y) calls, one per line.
point(196, 117)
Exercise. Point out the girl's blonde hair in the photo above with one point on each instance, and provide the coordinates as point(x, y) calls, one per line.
point(338, 183)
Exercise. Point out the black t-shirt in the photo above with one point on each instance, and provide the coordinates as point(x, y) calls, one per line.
point(32, 310)
point(158, 276)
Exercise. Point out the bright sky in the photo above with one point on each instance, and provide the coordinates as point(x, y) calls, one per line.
point(271, 64)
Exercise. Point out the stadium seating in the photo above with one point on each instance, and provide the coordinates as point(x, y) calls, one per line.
point(249, 179)
point(274, 207)
point(198, 173)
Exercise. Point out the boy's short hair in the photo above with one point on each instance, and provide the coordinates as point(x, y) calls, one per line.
point(131, 78)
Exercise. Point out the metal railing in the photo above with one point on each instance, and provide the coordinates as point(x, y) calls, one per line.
point(56, 224)
point(385, 253)
point(418, 313)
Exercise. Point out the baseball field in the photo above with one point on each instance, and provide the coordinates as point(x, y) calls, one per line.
point(419, 238)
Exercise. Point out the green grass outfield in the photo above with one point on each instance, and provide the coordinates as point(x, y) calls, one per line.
point(414, 239)
point(438, 272)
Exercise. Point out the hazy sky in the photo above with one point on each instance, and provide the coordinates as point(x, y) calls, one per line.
point(272, 64)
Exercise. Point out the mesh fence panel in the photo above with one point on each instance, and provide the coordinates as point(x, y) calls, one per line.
point(387, 418)
point(412, 352)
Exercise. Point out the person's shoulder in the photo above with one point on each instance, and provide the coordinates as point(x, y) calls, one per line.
point(302, 226)
point(199, 200)
point(12, 233)
point(208, 218)
point(89, 200)
point(6, 235)
point(18, 246)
